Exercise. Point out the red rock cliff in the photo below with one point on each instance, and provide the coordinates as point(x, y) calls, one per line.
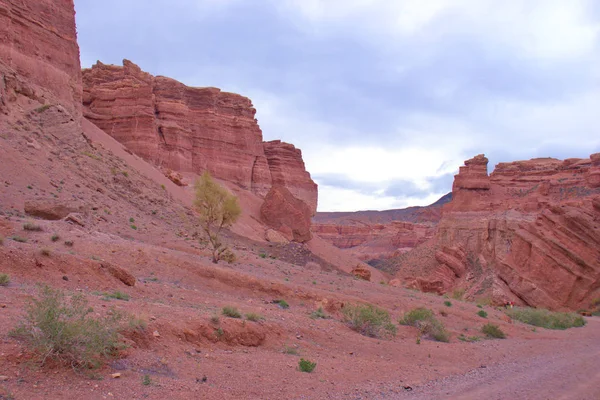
point(287, 169)
point(192, 129)
point(529, 233)
point(39, 55)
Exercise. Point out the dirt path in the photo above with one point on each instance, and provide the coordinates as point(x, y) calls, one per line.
point(569, 370)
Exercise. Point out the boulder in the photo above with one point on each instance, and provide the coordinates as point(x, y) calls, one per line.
point(362, 272)
point(48, 209)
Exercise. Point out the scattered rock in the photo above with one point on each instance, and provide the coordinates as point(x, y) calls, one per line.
point(116, 375)
point(75, 218)
point(275, 237)
point(361, 272)
point(120, 273)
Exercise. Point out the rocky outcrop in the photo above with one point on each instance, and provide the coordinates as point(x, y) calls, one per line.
point(287, 214)
point(39, 55)
point(528, 233)
point(188, 129)
point(471, 186)
point(379, 235)
point(361, 272)
point(49, 209)
point(178, 127)
point(287, 169)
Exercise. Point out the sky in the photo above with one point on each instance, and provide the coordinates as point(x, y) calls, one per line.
point(385, 98)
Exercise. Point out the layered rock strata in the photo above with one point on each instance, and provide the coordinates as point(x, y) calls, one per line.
point(39, 54)
point(529, 233)
point(189, 129)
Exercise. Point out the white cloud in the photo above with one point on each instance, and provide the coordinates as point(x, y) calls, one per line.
point(543, 29)
point(340, 199)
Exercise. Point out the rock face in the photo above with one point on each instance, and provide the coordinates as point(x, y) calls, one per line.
point(379, 235)
point(287, 169)
point(529, 233)
point(289, 215)
point(374, 241)
point(188, 129)
point(39, 55)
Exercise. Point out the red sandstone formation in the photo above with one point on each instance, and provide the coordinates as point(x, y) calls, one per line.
point(287, 169)
point(374, 241)
point(39, 55)
point(379, 235)
point(530, 233)
point(192, 129)
point(289, 215)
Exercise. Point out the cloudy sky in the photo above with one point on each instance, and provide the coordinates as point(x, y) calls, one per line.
point(386, 98)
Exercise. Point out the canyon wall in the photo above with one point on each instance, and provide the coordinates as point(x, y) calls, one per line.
point(379, 235)
point(529, 233)
point(374, 241)
point(39, 54)
point(191, 129)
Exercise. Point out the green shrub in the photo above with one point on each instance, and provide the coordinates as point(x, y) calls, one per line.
point(457, 294)
point(545, 318)
point(369, 320)
point(133, 227)
point(231, 312)
point(69, 243)
point(62, 329)
point(319, 314)
point(146, 381)
point(448, 303)
point(215, 319)
point(131, 220)
point(45, 252)
point(262, 255)
point(469, 339)
point(4, 279)
point(493, 331)
point(254, 317)
point(32, 227)
point(282, 303)
point(415, 315)
point(117, 295)
point(306, 365)
point(482, 314)
point(55, 238)
point(428, 325)
point(19, 239)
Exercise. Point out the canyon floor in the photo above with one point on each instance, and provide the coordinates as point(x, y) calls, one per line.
point(181, 355)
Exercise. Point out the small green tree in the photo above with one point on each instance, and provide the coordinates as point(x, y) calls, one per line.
point(218, 209)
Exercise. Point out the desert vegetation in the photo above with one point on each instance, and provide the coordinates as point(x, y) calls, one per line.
point(545, 318)
point(231, 312)
point(306, 365)
point(62, 328)
point(429, 326)
point(493, 331)
point(369, 320)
